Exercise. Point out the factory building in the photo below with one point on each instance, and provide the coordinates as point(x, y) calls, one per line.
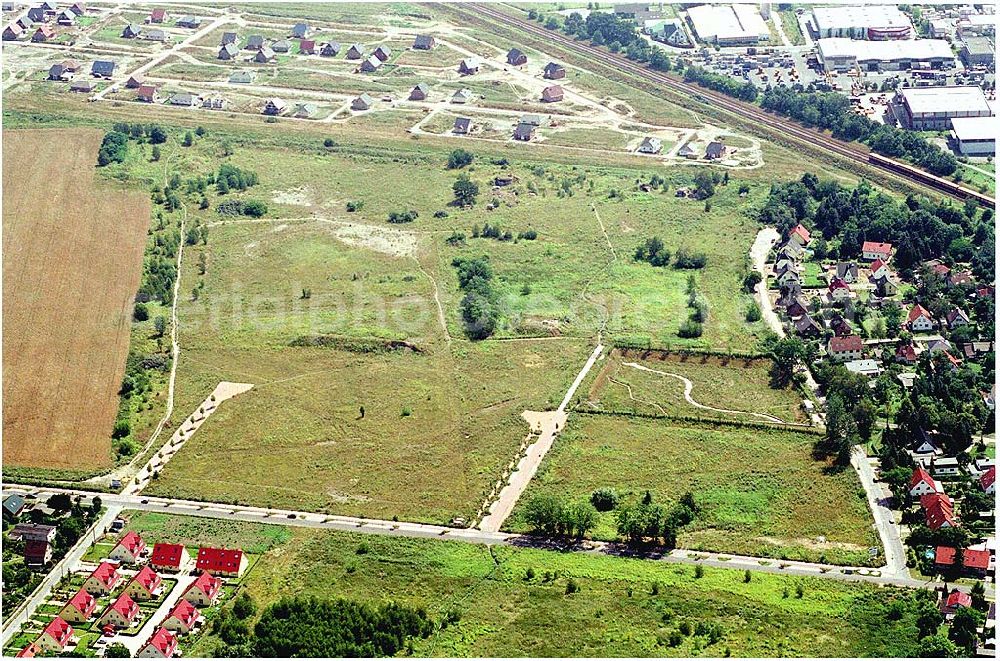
point(839, 54)
point(729, 25)
point(934, 108)
point(977, 51)
point(975, 136)
point(874, 22)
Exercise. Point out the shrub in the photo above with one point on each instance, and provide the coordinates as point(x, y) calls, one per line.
point(753, 313)
point(114, 148)
point(355, 205)
point(141, 312)
point(399, 217)
point(690, 329)
point(459, 158)
point(604, 499)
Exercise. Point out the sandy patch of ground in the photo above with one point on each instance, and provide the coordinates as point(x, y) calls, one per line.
point(294, 196)
point(398, 243)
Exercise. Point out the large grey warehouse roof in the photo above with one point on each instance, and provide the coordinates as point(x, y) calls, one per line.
point(872, 16)
point(954, 98)
point(975, 128)
point(886, 51)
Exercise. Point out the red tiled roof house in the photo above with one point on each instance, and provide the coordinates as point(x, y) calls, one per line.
point(987, 481)
point(800, 235)
point(161, 645)
point(874, 250)
point(975, 562)
point(955, 600)
point(922, 484)
point(182, 618)
point(145, 585)
point(168, 557)
point(55, 636)
point(120, 614)
point(221, 562)
point(939, 511)
point(920, 319)
point(103, 580)
point(129, 549)
point(204, 590)
point(846, 347)
point(79, 608)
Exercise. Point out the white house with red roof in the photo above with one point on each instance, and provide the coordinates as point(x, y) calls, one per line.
point(55, 636)
point(168, 557)
point(874, 250)
point(221, 562)
point(204, 590)
point(919, 319)
point(939, 511)
point(161, 645)
point(839, 290)
point(957, 317)
point(121, 613)
point(182, 618)
point(79, 608)
point(922, 484)
point(103, 580)
point(987, 481)
point(976, 562)
point(879, 269)
point(128, 549)
point(843, 348)
point(955, 600)
point(30, 650)
point(800, 236)
point(157, 16)
point(145, 585)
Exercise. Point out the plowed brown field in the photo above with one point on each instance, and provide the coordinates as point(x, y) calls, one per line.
point(72, 260)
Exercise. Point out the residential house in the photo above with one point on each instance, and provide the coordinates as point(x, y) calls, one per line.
point(960, 278)
point(221, 562)
point(308, 47)
point(873, 250)
point(121, 614)
point(12, 32)
point(305, 110)
point(86, 86)
point(554, 71)
point(807, 327)
point(906, 353)
point(355, 52)
point(973, 562)
point(461, 96)
point(840, 326)
point(797, 307)
point(78, 9)
point(130, 547)
point(161, 645)
point(424, 42)
point(462, 125)
point(687, 151)
point(847, 271)
point(275, 106)
point(987, 481)
point(419, 92)
point(879, 269)
point(839, 290)
point(468, 66)
point(66, 18)
point(103, 579)
point(922, 484)
point(650, 145)
point(715, 150)
point(787, 276)
point(182, 619)
point(147, 94)
point(846, 347)
point(957, 318)
point(55, 636)
point(37, 553)
point(956, 599)
point(13, 504)
point(30, 650)
point(524, 132)
point(362, 102)
point(937, 267)
point(370, 65)
point(885, 286)
point(866, 367)
point(184, 99)
point(281, 46)
point(919, 319)
point(189, 22)
point(516, 58)
point(300, 31)
point(255, 42)
point(935, 346)
point(204, 590)
point(264, 55)
point(977, 348)
point(154, 35)
point(145, 585)
point(329, 49)
point(990, 397)
point(791, 248)
point(939, 511)
point(28, 531)
point(79, 608)
point(213, 102)
point(783, 262)
point(228, 51)
point(43, 34)
point(135, 81)
point(242, 77)
point(534, 120)
point(103, 68)
point(157, 16)
point(945, 467)
point(383, 53)
point(36, 15)
point(229, 38)
point(799, 236)
point(552, 93)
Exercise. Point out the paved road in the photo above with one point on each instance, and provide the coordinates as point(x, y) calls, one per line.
point(766, 238)
point(885, 522)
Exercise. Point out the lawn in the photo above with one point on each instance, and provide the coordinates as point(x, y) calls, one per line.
point(759, 490)
point(498, 611)
point(197, 532)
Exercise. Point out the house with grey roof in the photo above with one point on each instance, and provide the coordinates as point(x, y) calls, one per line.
point(300, 31)
point(524, 132)
point(305, 110)
point(185, 99)
point(362, 102)
point(229, 38)
point(103, 68)
point(188, 22)
point(275, 106)
point(329, 49)
point(419, 92)
point(229, 51)
point(370, 65)
point(241, 77)
point(383, 53)
point(462, 125)
point(468, 66)
point(281, 46)
point(356, 52)
point(650, 145)
point(461, 96)
point(264, 55)
point(424, 42)
point(131, 31)
point(255, 42)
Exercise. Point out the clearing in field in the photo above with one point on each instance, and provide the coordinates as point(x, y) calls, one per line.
point(760, 491)
point(72, 260)
point(508, 602)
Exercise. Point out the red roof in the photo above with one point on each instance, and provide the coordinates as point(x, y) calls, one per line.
point(158, 14)
point(185, 612)
point(838, 283)
point(938, 510)
point(84, 602)
point(876, 265)
point(906, 352)
point(208, 584)
point(219, 560)
point(164, 641)
point(958, 599)
point(167, 555)
point(987, 479)
point(60, 631)
point(106, 574)
point(801, 232)
point(125, 606)
point(945, 555)
point(148, 579)
point(842, 343)
point(920, 475)
point(307, 44)
point(46, 31)
point(916, 312)
point(30, 650)
point(877, 248)
point(132, 543)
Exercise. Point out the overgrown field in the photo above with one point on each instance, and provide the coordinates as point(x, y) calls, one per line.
point(759, 490)
point(513, 602)
point(72, 260)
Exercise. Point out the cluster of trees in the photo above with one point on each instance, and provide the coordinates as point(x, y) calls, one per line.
point(231, 178)
point(655, 253)
point(850, 412)
point(252, 208)
point(496, 232)
point(918, 228)
point(745, 91)
point(646, 521)
point(232, 626)
point(480, 306)
point(317, 628)
point(459, 158)
point(693, 326)
point(832, 111)
point(153, 133)
point(466, 191)
point(617, 33)
point(400, 217)
point(558, 517)
point(114, 148)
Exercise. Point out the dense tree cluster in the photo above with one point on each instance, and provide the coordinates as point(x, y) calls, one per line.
point(466, 191)
point(745, 91)
point(480, 306)
point(252, 208)
point(400, 217)
point(459, 158)
point(230, 178)
point(556, 516)
point(114, 148)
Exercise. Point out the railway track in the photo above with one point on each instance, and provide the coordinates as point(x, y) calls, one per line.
point(792, 130)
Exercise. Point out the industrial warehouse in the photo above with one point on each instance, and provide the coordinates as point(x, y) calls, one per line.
point(729, 25)
point(839, 54)
point(878, 22)
point(933, 108)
